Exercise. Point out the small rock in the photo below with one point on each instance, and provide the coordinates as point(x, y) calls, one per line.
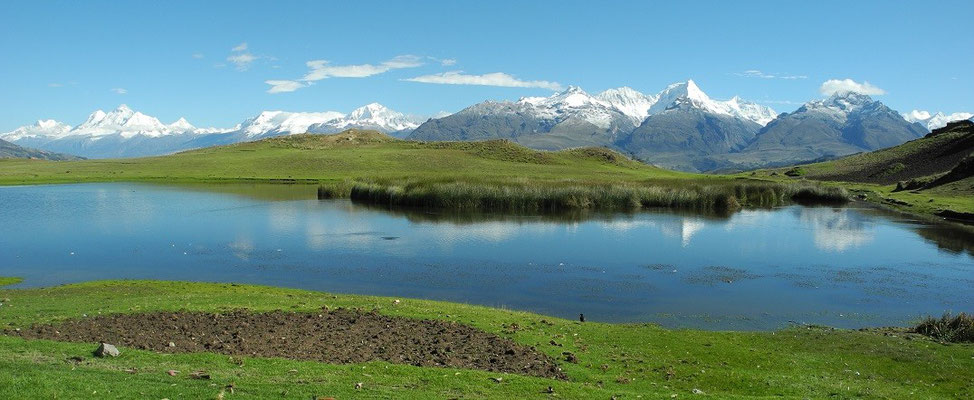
point(697, 391)
point(396, 302)
point(200, 375)
point(549, 390)
point(106, 350)
point(171, 344)
point(497, 380)
point(358, 386)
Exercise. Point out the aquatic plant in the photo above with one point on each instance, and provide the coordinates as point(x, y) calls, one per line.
point(523, 197)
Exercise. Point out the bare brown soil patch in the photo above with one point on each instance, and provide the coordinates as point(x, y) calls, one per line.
point(341, 336)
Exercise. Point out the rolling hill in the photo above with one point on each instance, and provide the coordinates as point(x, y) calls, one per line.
point(941, 157)
point(10, 150)
point(353, 154)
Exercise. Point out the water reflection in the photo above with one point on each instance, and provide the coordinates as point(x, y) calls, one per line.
point(836, 229)
point(753, 269)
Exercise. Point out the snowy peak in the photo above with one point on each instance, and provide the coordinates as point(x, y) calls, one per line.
point(573, 97)
point(371, 110)
point(181, 125)
point(575, 103)
point(122, 120)
point(631, 102)
point(840, 105)
point(680, 93)
point(688, 94)
point(283, 122)
point(373, 116)
point(42, 128)
point(936, 120)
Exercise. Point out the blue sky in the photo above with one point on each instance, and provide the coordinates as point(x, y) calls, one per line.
point(62, 60)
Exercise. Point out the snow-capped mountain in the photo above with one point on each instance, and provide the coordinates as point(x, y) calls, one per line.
point(373, 116)
point(630, 102)
point(689, 94)
point(576, 118)
point(936, 120)
point(121, 121)
point(273, 123)
point(124, 132)
point(842, 124)
point(42, 128)
point(575, 103)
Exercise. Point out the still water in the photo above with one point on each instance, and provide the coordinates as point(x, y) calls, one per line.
point(756, 269)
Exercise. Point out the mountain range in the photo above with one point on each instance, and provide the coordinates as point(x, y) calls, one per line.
point(680, 127)
point(124, 132)
point(936, 120)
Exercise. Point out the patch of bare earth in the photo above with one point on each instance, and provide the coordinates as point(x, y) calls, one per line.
point(340, 336)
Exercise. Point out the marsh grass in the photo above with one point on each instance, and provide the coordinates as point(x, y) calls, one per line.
point(524, 197)
point(948, 328)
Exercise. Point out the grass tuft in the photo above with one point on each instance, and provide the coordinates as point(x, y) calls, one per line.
point(948, 328)
point(527, 198)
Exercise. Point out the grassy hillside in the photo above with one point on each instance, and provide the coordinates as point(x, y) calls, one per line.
point(10, 150)
point(348, 155)
point(930, 175)
point(599, 360)
point(930, 156)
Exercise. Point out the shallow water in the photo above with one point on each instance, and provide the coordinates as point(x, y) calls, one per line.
point(757, 269)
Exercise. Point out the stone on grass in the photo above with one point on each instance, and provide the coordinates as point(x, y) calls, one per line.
point(106, 350)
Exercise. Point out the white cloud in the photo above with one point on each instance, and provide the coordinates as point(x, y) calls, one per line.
point(322, 69)
point(493, 79)
point(242, 60)
point(833, 86)
point(54, 85)
point(284, 86)
point(240, 47)
point(197, 55)
point(119, 90)
point(754, 73)
point(786, 102)
point(446, 62)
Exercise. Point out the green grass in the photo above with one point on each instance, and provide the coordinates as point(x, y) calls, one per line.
point(354, 155)
point(624, 360)
point(4, 281)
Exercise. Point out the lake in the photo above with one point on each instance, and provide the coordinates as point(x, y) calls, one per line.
point(756, 269)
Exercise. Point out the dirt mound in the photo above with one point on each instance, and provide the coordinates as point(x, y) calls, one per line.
point(340, 336)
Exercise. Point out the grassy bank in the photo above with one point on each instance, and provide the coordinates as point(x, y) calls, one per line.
point(623, 360)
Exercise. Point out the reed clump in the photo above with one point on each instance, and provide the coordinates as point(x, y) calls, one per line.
point(948, 328)
point(525, 197)
point(341, 190)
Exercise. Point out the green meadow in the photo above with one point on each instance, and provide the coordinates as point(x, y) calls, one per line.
point(613, 360)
